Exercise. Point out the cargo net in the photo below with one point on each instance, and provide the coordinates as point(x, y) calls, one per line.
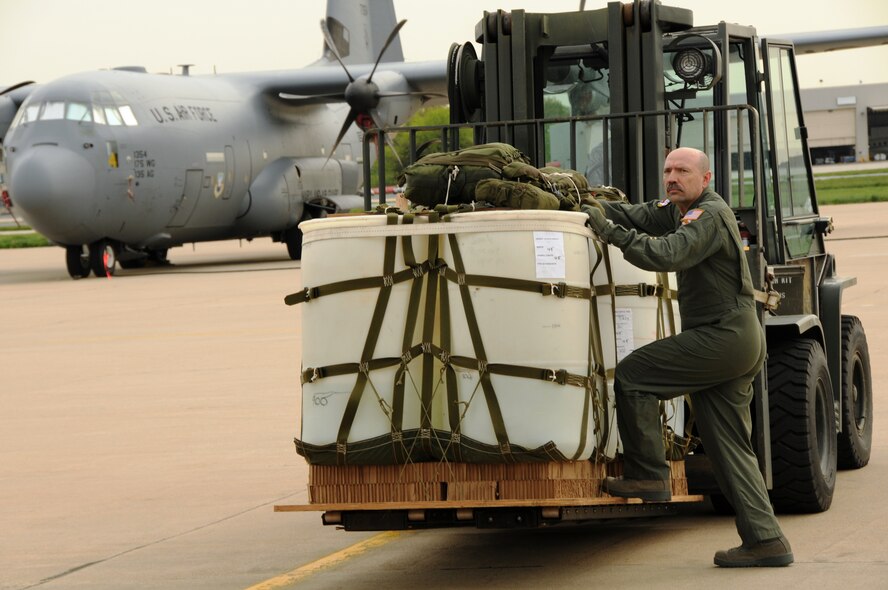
point(428, 375)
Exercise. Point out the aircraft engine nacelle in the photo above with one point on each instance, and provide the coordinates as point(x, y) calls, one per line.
point(397, 101)
point(291, 189)
point(7, 112)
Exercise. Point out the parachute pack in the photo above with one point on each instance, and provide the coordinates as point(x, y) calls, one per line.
point(500, 175)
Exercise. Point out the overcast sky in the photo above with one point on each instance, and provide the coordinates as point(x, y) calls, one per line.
point(44, 39)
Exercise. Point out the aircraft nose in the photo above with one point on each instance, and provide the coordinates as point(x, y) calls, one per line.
point(54, 188)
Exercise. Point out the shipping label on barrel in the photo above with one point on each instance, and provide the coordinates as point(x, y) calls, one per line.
point(549, 250)
point(625, 332)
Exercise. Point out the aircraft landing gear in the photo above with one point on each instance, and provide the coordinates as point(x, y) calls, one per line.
point(77, 260)
point(103, 258)
point(159, 257)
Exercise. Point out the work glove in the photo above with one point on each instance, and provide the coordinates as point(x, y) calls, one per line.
point(597, 221)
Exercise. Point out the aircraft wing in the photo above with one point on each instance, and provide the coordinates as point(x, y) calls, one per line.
point(821, 41)
point(315, 85)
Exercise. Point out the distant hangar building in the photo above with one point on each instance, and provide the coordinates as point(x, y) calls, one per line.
point(847, 123)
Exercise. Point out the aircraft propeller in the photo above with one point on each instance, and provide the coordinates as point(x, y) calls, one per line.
point(362, 94)
point(15, 87)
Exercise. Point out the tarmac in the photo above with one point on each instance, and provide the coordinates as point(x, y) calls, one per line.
point(146, 434)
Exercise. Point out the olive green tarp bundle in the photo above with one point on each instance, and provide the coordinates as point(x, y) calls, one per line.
point(450, 177)
point(498, 174)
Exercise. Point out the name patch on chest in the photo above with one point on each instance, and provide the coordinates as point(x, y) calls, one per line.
point(692, 215)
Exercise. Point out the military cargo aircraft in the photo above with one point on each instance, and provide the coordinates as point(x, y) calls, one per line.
point(118, 166)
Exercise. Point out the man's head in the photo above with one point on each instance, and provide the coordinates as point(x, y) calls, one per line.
point(685, 174)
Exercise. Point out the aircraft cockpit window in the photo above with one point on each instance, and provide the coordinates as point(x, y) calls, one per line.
point(129, 118)
point(52, 111)
point(112, 116)
point(77, 111)
point(98, 115)
point(115, 115)
point(17, 118)
point(31, 112)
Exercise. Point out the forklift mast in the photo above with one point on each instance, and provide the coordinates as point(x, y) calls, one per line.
point(599, 62)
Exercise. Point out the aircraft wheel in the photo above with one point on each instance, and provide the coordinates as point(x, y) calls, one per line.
point(103, 258)
point(77, 260)
point(293, 238)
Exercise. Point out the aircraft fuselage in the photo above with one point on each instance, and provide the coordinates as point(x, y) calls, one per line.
point(154, 161)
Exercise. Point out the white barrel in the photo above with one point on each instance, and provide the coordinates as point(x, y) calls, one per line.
point(524, 328)
point(628, 321)
point(335, 328)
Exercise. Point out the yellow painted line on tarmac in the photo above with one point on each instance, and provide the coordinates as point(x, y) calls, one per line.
point(300, 573)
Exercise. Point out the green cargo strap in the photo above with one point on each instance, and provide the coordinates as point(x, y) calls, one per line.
point(408, 352)
point(354, 398)
point(312, 374)
point(596, 357)
point(428, 333)
point(559, 376)
point(610, 280)
point(639, 290)
point(461, 208)
point(451, 384)
point(493, 408)
point(447, 159)
point(560, 290)
point(386, 280)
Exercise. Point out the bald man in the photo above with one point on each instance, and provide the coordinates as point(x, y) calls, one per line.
point(720, 350)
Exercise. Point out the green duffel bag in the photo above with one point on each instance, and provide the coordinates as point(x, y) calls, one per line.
point(523, 172)
point(450, 177)
point(603, 192)
point(517, 195)
point(565, 178)
point(569, 185)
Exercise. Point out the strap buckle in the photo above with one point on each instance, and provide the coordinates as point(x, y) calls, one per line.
point(556, 289)
point(556, 376)
point(645, 290)
point(311, 375)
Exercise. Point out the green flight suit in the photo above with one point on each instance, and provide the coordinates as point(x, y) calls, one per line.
point(715, 357)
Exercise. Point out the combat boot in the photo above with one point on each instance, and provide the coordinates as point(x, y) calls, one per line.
point(770, 553)
point(652, 490)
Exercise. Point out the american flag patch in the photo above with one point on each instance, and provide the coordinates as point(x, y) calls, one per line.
point(691, 215)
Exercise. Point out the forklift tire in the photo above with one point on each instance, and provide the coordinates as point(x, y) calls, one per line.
point(803, 427)
point(855, 440)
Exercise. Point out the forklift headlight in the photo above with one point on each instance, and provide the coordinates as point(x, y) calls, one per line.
point(690, 64)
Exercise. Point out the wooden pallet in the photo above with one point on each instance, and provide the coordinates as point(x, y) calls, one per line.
point(468, 485)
